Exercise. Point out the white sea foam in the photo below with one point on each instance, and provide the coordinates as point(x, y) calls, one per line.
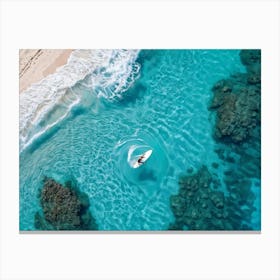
point(107, 73)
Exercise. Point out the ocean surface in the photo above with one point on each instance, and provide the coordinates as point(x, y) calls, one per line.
point(124, 103)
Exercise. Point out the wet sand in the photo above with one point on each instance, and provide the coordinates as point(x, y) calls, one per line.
point(36, 64)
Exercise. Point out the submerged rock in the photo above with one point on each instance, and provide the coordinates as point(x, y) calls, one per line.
point(198, 207)
point(215, 165)
point(251, 59)
point(237, 101)
point(237, 104)
point(64, 208)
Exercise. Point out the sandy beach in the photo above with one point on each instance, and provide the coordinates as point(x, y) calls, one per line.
point(36, 64)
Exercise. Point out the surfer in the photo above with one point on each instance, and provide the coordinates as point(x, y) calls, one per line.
point(140, 159)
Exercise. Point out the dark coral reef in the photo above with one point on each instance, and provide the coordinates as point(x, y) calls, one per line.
point(237, 101)
point(200, 203)
point(64, 208)
point(198, 206)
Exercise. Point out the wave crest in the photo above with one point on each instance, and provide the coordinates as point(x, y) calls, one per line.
point(107, 73)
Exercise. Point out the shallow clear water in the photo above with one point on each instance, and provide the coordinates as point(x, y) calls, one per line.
point(165, 110)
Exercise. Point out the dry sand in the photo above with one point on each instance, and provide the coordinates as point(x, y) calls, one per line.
point(36, 64)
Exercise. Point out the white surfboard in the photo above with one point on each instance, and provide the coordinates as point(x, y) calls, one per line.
point(142, 159)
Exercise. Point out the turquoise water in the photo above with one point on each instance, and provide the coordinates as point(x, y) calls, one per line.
point(166, 110)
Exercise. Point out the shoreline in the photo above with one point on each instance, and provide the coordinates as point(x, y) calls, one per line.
point(36, 64)
point(40, 97)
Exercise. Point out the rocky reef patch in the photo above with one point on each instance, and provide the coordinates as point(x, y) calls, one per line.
point(237, 101)
point(63, 208)
point(220, 196)
point(199, 206)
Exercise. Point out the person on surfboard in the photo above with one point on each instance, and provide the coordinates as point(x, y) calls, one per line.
point(140, 159)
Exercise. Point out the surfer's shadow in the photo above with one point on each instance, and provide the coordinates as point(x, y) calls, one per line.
point(147, 175)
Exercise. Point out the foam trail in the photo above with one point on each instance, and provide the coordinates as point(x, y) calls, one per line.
point(49, 126)
point(107, 73)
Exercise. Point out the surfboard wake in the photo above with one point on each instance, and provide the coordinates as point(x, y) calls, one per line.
point(136, 160)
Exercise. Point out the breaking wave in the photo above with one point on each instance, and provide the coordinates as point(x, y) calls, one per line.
point(105, 73)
